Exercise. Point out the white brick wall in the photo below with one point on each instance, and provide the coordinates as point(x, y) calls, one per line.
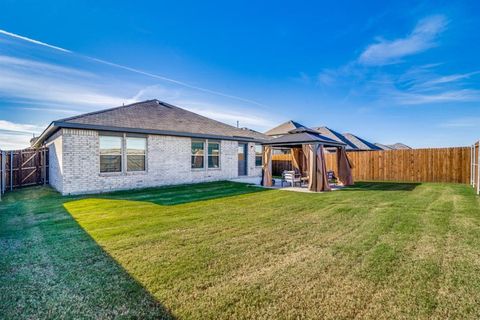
point(55, 155)
point(168, 162)
point(253, 170)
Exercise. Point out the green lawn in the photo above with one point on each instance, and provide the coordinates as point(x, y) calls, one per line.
point(226, 250)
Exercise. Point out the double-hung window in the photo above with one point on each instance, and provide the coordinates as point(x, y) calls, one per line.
point(122, 153)
point(205, 154)
point(136, 150)
point(111, 153)
point(258, 155)
point(213, 155)
point(198, 154)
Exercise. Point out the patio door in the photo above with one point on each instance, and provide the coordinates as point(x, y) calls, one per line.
point(242, 159)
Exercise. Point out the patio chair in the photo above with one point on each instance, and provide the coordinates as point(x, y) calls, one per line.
point(331, 177)
point(291, 177)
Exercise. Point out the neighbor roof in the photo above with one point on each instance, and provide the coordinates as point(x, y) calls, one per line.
point(332, 134)
point(284, 128)
point(154, 117)
point(360, 143)
point(383, 146)
point(302, 136)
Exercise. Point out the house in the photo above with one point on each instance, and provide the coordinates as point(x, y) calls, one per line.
point(396, 146)
point(361, 144)
point(146, 144)
point(332, 134)
point(352, 142)
point(284, 128)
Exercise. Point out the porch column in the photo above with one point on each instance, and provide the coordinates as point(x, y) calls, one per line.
point(267, 166)
point(344, 167)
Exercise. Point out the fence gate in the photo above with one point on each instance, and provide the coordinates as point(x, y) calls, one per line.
point(21, 168)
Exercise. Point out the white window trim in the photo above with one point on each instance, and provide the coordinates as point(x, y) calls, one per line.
point(123, 153)
point(206, 154)
point(261, 155)
point(125, 136)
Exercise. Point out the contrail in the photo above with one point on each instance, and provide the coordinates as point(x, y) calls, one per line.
point(148, 74)
point(13, 35)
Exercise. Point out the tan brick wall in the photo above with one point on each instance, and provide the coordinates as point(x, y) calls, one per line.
point(168, 162)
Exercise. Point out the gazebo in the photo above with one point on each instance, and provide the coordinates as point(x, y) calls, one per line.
point(307, 148)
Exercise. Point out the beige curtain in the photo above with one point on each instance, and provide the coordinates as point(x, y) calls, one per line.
point(344, 168)
point(306, 159)
point(297, 160)
point(267, 166)
point(317, 169)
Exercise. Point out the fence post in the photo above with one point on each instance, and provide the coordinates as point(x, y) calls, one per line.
point(44, 166)
point(478, 168)
point(4, 172)
point(472, 167)
point(11, 170)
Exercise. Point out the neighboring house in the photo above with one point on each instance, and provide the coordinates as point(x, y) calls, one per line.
point(146, 144)
point(332, 134)
point(360, 144)
point(284, 128)
point(396, 146)
point(353, 142)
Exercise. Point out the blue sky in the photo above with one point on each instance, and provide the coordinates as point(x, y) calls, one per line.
point(390, 71)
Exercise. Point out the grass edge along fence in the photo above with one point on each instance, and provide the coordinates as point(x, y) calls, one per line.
point(475, 166)
point(406, 165)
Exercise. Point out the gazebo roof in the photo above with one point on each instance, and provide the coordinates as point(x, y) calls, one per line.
point(303, 136)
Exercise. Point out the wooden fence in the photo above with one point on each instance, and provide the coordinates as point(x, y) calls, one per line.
point(21, 168)
point(475, 167)
point(412, 165)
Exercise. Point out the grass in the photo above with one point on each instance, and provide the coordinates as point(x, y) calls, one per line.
point(226, 250)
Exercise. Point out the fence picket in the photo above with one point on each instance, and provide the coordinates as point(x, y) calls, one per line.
point(414, 165)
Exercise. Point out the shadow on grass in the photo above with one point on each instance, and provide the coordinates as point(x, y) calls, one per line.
point(60, 270)
point(181, 194)
point(382, 186)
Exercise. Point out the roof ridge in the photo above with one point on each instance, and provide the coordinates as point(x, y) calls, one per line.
point(106, 110)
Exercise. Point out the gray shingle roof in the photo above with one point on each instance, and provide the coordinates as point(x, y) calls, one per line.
point(399, 145)
point(383, 146)
point(302, 135)
point(360, 143)
point(154, 116)
point(284, 128)
point(332, 134)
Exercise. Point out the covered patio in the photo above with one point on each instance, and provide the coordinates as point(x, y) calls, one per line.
point(308, 160)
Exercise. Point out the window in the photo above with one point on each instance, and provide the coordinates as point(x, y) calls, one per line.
point(258, 155)
point(110, 154)
point(136, 149)
point(213, 155)
point(198, 158)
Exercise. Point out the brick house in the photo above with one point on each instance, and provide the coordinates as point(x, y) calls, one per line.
point(146, 144)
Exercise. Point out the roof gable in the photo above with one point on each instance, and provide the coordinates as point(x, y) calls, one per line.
point(360, 143)
point(284, 128)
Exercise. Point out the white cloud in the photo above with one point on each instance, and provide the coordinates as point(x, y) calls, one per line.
point(423, 37)
point(19, 127)
point(14, 140)
point(41, 67)
point(37, 86)
point(462, 95)
point(230, 115)
point(450, 78)
point(469, 122)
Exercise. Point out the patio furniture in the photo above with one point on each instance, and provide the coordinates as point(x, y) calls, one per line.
point(331, 177)
point(291, 177)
